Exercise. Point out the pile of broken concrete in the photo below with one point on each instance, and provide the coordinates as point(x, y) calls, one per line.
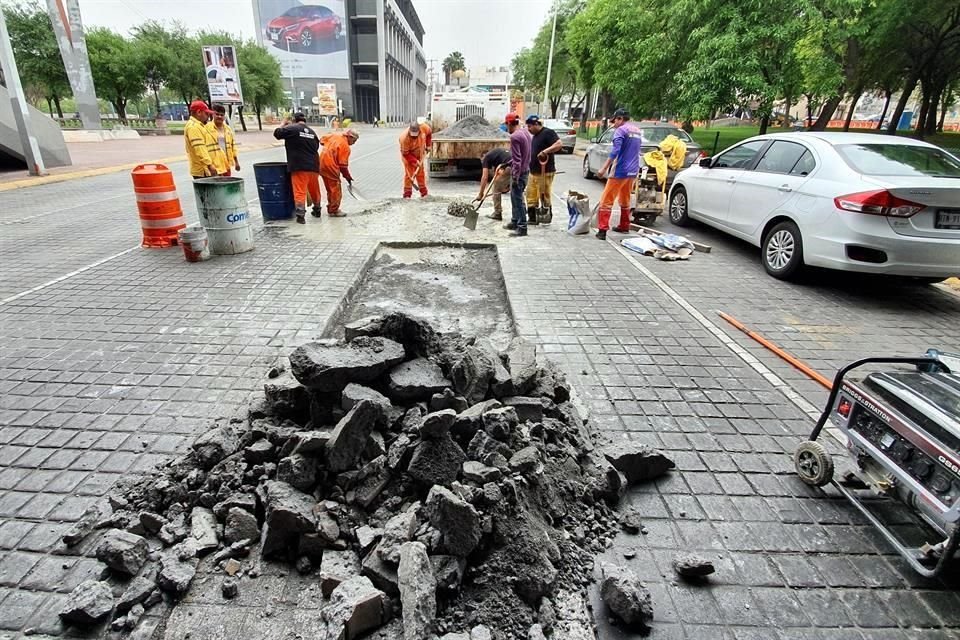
point(432, 481)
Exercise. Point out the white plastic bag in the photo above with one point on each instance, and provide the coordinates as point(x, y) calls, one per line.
point(578, 208)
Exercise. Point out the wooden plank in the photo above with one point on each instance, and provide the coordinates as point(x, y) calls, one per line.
point(702, 248)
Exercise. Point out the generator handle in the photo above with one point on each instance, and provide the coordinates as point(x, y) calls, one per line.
point(937, 365)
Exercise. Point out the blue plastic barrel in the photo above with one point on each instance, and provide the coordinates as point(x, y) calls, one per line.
point(274, 189)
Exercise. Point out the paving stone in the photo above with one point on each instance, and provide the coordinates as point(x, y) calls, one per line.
point(331, 367)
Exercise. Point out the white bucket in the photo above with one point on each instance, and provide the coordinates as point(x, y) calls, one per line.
point(194, 243)
point(222, 205)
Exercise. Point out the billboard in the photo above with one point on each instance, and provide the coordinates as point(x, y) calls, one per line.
point(327, 99)
point(308, 38)
point(223, 78)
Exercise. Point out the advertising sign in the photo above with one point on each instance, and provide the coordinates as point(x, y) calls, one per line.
point(223, 78)
point(327, 99)
point(308, 38)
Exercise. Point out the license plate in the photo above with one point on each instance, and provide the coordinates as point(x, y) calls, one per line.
point(948, 219)
point(274, 36)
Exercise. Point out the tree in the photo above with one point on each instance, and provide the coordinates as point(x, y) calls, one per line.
point(119, 70)
point(259, 78)
point(530, 64)
point(38, 55)
point(158, 49)
point(453, 62)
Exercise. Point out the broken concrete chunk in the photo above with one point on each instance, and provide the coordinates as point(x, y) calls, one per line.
point(416, 380)
point(526, 460)
point(528, 409)
point(151, 522)
point(398, 529)
point(327, 527)
point(500, 423)
point(481, 632)
point(418, 591)
point(122, 551)
point(376, 446)
point(367, 536)
point(94, 514)
point(692, 566)
point(398, 455)
point(287, 513)
point(356, 606)
point(337, 567)
point(287, 398)
point(471, 374)
point(327, 367)
point(136, 592)
point(259, 452)
point(298, 470)
point(626, 596)
point(382, 575)
point(501, 384)
point(638, 462)
point(436, 461)
point(482, 446)
point(371, 481)
point(245, 501)
point(240, 525)
point(522, 364)
point(349, 438)
point(232, 567)
point(203, 526)
point(354, 393)
point(367, 326)
point(631, 521)
point(448, 571)
point(176, 574)
point(480, 473)
point(88, 603)
point(230, 588)
point(437, 424)
point(307, 443)
point(536, 633)
point(416, 335)
point(215, 445)
point(448, 400)
point(470, 421)
point(456, 520)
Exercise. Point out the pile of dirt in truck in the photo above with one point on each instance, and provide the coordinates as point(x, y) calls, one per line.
point(472, 127)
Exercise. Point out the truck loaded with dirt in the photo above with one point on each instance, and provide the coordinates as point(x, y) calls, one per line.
point(465, 128)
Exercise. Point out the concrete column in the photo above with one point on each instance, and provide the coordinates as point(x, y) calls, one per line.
point(18, 104)
point(68, 28)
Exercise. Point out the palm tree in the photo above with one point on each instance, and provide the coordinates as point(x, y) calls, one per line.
point(451, 63)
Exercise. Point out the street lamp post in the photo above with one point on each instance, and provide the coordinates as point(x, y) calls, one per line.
point(293, 88)
point(553, 36)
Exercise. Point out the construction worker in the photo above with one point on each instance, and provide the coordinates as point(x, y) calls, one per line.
point(519, 172)
point(200, 143)
point(627, 141)
point(334, 162)
point(543, 146)
point(226, 157)
point(303, 161)
point(413, 152)
point(496, 168)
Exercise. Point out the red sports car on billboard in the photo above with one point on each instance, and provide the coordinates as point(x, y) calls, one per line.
point(304, 26)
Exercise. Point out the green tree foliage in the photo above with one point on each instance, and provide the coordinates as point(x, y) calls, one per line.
point(259, 77)
point(530, 64)
point(453, 62)
point(119, 69)
point(38, 55)
point(157, 47)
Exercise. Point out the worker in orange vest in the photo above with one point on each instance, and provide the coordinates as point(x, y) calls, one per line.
point(415, 143)
point(334, 162)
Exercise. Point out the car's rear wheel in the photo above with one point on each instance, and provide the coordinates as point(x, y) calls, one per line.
point(782, 249)
point(679, 214)
point(589, 175)
point(306, 38)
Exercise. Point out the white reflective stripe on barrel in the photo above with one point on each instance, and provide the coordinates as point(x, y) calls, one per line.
point(157, 197)
point(163, 224)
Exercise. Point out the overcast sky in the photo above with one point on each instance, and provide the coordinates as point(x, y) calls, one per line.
point(488, 32)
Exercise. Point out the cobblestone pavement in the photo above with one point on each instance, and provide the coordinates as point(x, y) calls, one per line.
point(107, 371)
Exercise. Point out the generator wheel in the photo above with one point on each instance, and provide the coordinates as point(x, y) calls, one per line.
point(813, 464)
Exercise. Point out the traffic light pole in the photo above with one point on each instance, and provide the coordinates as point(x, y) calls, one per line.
point(18, 102)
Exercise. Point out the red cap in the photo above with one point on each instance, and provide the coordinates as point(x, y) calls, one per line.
point(511, 118)
point(199, 105)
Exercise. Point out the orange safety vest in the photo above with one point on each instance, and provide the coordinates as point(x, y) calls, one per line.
point(335, 154)
point(412, 146)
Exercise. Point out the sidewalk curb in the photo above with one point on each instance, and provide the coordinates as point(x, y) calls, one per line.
point(89, 173)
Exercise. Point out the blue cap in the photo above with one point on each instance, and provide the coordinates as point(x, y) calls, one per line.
point(533, 119)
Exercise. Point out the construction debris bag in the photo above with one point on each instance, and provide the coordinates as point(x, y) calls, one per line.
point(672, 242)
point(578, 208)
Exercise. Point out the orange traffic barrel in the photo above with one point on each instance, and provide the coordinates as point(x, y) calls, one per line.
point(160, 214)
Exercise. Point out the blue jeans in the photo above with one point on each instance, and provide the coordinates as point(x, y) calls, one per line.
point(517, 203)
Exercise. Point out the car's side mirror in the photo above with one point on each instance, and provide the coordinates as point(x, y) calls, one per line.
point(706, 163)
point(595, 140)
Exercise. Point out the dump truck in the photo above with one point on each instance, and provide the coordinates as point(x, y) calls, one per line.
point(459, 157)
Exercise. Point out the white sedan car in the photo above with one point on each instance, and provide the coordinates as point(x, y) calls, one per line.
point(848, 201)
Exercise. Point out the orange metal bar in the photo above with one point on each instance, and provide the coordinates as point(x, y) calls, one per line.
point(797, 363)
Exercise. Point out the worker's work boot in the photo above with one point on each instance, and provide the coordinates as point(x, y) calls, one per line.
point(545, 215)
point(408, 194)
point(601, 234)
point(423, 192)
point(496, 215)
point(315, 211)
point(510, 226)
point(301, 216)
point(518, 232)
point(532, 215)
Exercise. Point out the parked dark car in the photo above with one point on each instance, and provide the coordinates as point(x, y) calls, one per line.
point(304, 26)
point(653, 134)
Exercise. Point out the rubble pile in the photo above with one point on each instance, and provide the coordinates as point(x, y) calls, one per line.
point(459, 208)
point(417, 475)
point(471, 127)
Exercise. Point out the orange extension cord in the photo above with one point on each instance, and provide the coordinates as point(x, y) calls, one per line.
point(797, 363)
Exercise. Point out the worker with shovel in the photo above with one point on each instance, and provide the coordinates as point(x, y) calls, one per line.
point(413, 152)
point(543, 168)
point(496, 173)
point(334, 162)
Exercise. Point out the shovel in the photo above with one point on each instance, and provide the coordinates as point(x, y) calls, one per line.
point(470, 220)
point(355, 194)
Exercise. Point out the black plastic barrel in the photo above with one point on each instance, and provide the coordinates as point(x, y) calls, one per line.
point(274, 189)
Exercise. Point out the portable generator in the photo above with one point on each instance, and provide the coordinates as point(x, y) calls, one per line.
point(902, 430)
